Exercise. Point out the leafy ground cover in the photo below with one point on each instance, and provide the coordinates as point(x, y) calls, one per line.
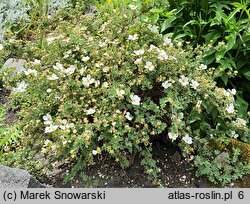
point(105, 85)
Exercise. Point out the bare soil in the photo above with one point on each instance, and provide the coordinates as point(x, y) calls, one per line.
point(176, 173)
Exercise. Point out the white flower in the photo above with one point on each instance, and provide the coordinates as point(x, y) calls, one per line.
point(172, 136)
point(128, 116)
point(90, 111)
point(90, 39)
point(166, 84)
point(21, 87)
point(149, 66)
point(44, 150)
point(153, 28)
point(188, 139)
point(70, 125)
point(94, 152)
point(66, 54)
point(70, 70)
point(162, 55)
point(30, 71)
point(58, 66)
point(198, 104)
point(226, 93)
point(135, 100)
point(241, 122)
point(1, 47)
point(102, 44)
point(53, 77)
point(105, 69)
point(194, 84)
point(47, 143)
point(105, 84)
point(120, 93)
point(133, 37)
point(139, 52)
point(82, 70)
point(36, 62)
point(229, 93)
point(132, 6)
point(173, 58)
point(152, 48)
point(64, 121)
point(97, 83)
point(183, 80)
point(63, 127)
point(47, 119)
point(138, 61)
point(203, 66)
point(49, 90)
point(234, 134)
point(230, 108)
point(51, 39)
point(50, 128)
point(179, 44)
point(85, 59)
point(168, 41)
point(98, 64)
point(64, 141)
point(233, 91)
point(87, 81)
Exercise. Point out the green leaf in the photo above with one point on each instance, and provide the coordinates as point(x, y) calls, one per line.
point(242, 106)
point(241, 63)
point(209, 59)
point(231, 39)
point(247, 75)
point(180, 36)
point(193, 117)
point(232, 14)
point(163, 102)
point(208, 106)
point(227, 64)
point(166, 24)
point(219, 55)
point(154, 10)
point(213, 35)
point(224, 78)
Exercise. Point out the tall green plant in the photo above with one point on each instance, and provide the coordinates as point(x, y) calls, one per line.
point(224, 27)
point(9, 134)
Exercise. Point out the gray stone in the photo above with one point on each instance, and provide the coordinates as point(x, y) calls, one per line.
point(17, 178)
point(18, 64)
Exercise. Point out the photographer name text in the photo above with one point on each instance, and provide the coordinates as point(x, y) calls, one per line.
point(57, 195)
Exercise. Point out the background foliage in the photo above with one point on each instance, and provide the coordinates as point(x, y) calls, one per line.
point(224, 27)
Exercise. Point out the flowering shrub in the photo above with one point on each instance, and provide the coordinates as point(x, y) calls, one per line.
point(107, 84)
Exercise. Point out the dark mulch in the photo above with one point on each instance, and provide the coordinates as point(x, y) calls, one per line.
point(176, 172)
point(3, 96)
point(10, 116)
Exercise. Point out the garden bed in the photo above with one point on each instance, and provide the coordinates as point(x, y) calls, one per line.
point(177, 172)
point(106, 99)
